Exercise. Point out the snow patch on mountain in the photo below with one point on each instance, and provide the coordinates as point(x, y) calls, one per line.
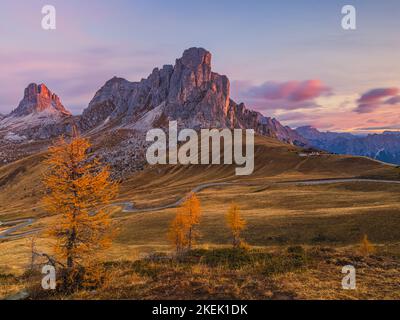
point(13, 137)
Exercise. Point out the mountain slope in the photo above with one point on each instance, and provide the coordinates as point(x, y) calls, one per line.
point(21, 188)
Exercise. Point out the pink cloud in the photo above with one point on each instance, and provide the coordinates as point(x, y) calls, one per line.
point(394, 100)
point(290, 95)
point(294, 91)
point(376, 95)
point(375, 99)
point(75, 78)
point(367, 107)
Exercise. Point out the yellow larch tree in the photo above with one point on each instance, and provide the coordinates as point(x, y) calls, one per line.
point(191, 209)
point(78, 188)
point(366, 247)
point(182, 231)
point(178, 232)
point(236, 224)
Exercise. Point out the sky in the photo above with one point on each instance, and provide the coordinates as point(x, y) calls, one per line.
point(288, 59)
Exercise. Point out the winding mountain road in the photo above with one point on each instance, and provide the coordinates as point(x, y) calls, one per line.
point(128, 206)
point(17, 225)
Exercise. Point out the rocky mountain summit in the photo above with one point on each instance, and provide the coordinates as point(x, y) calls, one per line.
point(188, 92)
point(39, 115)
point(121, 112)
point(38, 99)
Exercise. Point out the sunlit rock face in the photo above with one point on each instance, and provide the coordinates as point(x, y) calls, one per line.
point(39, 115)
point(38, 98)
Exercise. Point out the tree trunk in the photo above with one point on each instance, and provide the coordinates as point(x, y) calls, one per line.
point(190, 239)
point(71, 243)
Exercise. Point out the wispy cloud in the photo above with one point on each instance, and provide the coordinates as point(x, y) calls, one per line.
point(289, 95)
point(380, 128)
point(376, 98)
point(393, 100)
point(75, 77)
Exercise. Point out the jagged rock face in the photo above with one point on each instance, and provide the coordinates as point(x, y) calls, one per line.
point(245, 118)
point(126, 101)
point(38, 98)
point(39, 115)
point(188, 92)
point(197, 97)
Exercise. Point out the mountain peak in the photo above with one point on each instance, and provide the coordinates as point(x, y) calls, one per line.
point(308, 127)
point(188, 92)
point(194, 57)
point(37, 99)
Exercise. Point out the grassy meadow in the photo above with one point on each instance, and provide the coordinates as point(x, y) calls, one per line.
point(299, 237)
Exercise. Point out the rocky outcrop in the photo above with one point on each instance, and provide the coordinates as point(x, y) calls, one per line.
point(37, 99)
point(197, 97)
point(39, 115)
point(188, 92)
point(122, 111)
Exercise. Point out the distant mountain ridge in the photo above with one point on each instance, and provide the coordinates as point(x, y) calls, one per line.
point(383, 147)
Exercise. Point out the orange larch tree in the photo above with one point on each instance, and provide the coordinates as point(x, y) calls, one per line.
point(191, 209)
point(178, 232)
point(78, 189)
point(367, 248)
point(182, 231)
point(236, 224)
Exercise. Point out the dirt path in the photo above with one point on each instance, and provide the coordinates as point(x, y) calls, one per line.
point(129, 207)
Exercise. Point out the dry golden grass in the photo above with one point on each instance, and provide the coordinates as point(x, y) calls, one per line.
point(326, 214)
point(10, 286)
point(377, 278)
point(292, 273)
point(335, 215)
